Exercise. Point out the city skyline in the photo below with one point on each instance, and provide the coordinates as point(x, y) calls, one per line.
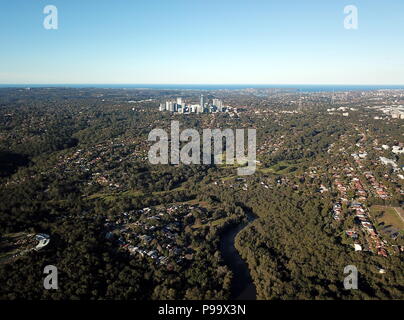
point(180, 106)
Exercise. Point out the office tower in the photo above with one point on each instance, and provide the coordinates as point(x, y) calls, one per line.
point(218, 104)
point(179, 101)
point(162, 107)
point(170, 106)
point(201, 104)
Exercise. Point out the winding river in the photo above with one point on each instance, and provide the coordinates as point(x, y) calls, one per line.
point(243, 287)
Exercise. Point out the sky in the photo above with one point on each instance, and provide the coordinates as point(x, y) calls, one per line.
point(202, 42)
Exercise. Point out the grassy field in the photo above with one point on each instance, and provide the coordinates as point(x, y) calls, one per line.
point(130, 193)
point(390, 216)
point(213, 223)
point(194, 202)
point(210, 223)
point(282, 167)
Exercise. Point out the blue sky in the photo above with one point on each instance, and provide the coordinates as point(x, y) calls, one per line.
point(195, 41)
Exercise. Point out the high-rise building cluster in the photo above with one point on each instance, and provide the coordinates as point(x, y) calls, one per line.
point(203, 107)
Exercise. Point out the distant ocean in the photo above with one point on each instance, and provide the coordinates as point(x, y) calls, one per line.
point(303, 88)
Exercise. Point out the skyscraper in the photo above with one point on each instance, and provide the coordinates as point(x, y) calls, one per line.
point(179, 101)
point(202, 104)
point(218, 104)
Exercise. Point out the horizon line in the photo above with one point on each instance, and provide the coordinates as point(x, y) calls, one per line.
point(198, 84)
